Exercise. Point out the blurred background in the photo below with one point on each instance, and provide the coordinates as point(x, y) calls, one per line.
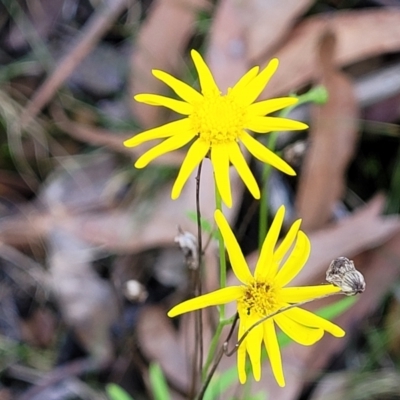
point(88, 262)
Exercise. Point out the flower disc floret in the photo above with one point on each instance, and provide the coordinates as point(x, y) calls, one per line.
point(217, 125)
point(218, 119)
point(259, 299)
point(264, 293)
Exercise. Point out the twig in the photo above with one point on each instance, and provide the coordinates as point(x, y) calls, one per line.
point(198, 358)
point(218, 358)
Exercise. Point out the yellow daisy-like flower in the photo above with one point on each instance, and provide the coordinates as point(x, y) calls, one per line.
point(265, 293)
point(218, 123)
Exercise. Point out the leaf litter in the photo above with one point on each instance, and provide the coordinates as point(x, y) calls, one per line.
point(90, 207)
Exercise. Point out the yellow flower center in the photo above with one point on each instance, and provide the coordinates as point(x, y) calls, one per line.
point(218, 119)
point(260, 298)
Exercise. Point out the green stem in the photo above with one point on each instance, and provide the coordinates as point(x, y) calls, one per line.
point(222, 281)
point(222, 257)
point(214, 344)
point(317, 95)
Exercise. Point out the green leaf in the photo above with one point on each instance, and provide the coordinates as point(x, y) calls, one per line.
point(205, 224)
point(158, 383)
point(116, 392)
point(338, 308)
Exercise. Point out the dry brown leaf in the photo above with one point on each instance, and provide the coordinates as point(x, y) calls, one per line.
point(360, 34)
point(160, 44)
point(333, 136)
point(81, 200)
point(227, 49)
point(242, 31)
point(103, 137)
point(158, 342)
point(268, 22)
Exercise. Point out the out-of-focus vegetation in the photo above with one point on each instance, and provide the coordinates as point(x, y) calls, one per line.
point(88, 263)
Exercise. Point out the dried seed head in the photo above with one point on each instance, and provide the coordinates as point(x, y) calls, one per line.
point(188, 243)
point(342, 273)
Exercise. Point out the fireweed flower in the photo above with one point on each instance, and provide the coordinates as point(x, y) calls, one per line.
point(218, 123)
point(264, 293)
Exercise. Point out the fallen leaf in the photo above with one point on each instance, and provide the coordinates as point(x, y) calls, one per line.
point(243, 31)
point(226, 52)
point(268, 23)
point(359, 34)
point(332, 141)
point(103, 137)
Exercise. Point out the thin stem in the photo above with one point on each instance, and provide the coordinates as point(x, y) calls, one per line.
point(221, 352)
point(263, 216)
point(314, 95)
point(222, 257)
point(197, 290)
point(211, 374)
point(214, 342)
point(200, 258)
point(211, 352)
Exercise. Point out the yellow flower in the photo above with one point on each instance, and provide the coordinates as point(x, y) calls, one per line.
point(218, 123)
point(265, 293)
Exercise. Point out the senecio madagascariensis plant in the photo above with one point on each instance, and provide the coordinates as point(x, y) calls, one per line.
point(265, 293)
point(218, 124)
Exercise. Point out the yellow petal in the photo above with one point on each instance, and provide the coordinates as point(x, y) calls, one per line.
point(274, 354)
point(263, 268)
point(238, 161)
point(265, 155)
point(220, 162)
point(253, 346)
point(183, 90)
point(305, 293)
point(170, 129)
point(238, 262)
point(207, 82)
point(268, 106)
point(178, 106)
point(287, 242)
point(269, 124)
point(220, 296)
point(241, 354)
point(296, 260)
point(298, 332)
point(307, 318)
point(198, 150)
point(257, 85)
point(244, 81)
point(173, 143)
